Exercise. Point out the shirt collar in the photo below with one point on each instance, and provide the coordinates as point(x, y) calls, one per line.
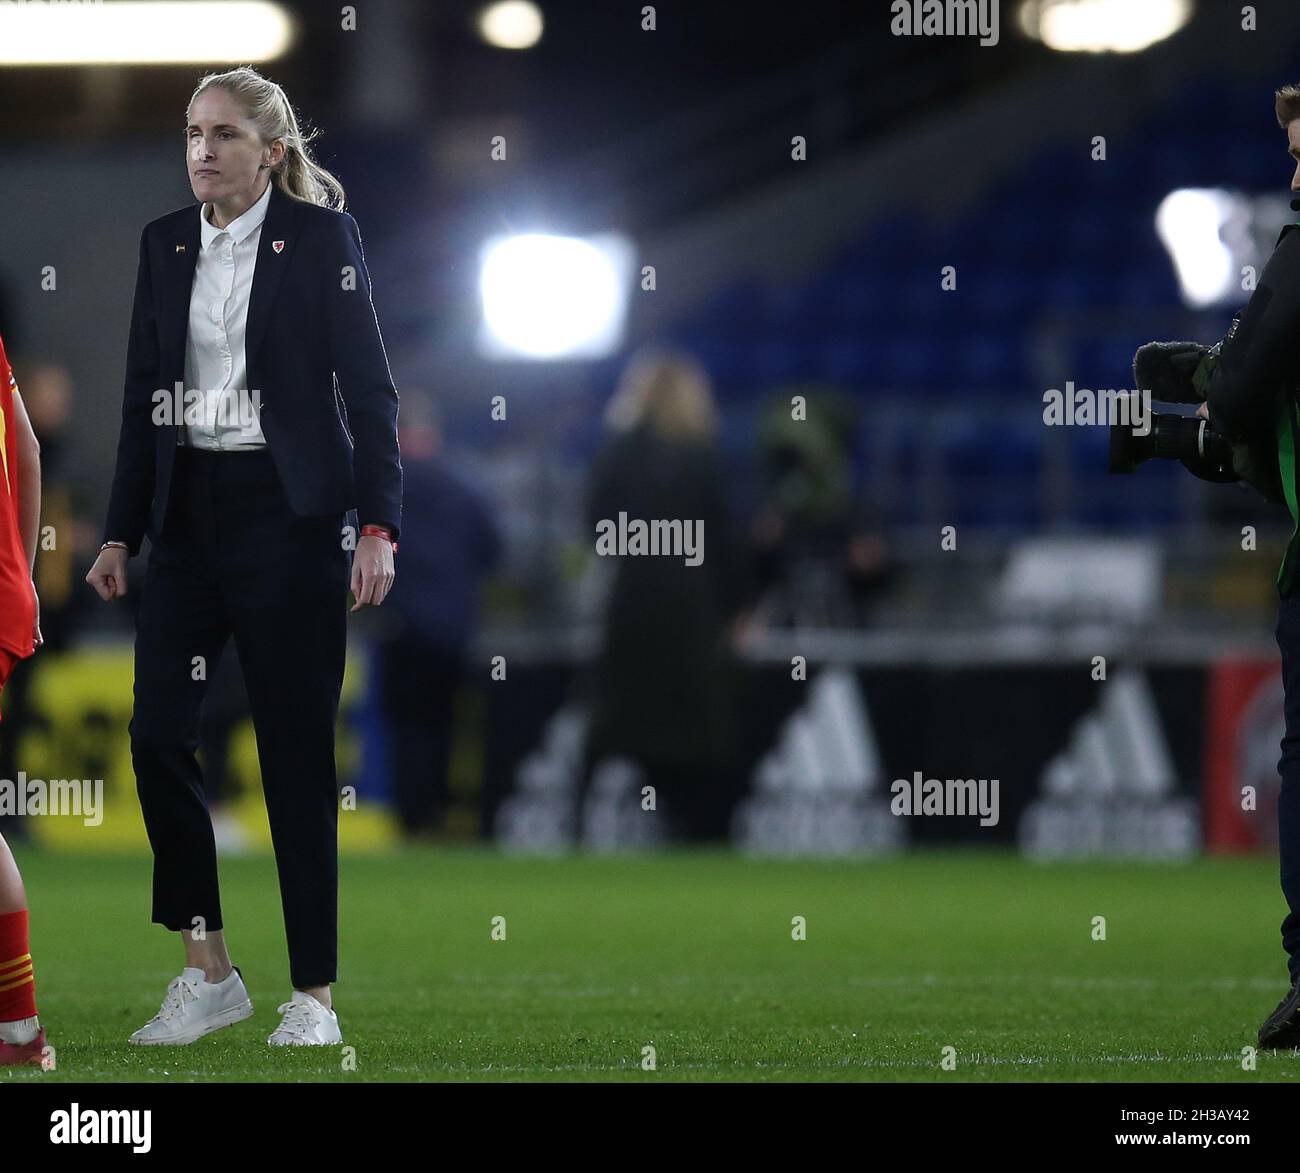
point(239, 228)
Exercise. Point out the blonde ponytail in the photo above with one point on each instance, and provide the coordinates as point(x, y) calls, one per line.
point(297, 175)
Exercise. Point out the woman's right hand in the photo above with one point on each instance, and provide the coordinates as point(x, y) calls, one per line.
point(108, 575)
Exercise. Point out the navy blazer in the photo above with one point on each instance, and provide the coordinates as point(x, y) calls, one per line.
point(308, 338)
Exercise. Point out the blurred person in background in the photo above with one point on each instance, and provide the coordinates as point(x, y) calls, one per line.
point(452, 544)
point(663, 687)
point(258, 300)
point(820, 555)
point(22, 1040)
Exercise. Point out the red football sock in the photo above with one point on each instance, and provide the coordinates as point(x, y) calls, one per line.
point(17, 985)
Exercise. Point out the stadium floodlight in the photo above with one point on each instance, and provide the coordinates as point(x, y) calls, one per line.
point(511, 24)
point(1103, 26)
point(154, 32)
point(550, 297)
point(1190, 223)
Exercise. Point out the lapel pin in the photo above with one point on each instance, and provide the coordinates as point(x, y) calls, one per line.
point(277, 245)
point(180, 248)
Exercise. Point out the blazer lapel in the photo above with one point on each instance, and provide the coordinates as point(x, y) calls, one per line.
point(174, 314)
point(280, 228)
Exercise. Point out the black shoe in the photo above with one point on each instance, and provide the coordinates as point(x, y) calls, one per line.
point(1282, 1027)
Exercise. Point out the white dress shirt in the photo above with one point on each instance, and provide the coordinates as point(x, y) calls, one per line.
point(215, 361)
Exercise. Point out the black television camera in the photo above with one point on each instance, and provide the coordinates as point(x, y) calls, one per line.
point(1178, 372)
point(1170, 436)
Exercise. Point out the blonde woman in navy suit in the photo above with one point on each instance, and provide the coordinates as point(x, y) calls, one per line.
point(257, 303)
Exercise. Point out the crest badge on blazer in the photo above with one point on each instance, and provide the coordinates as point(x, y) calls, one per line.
point(277, 245)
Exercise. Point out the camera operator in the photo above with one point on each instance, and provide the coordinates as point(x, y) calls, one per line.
point(1247, 387)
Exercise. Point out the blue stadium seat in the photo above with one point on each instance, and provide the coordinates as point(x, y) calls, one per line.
point(1062, 240)
point(913, 360)
point(988, 360)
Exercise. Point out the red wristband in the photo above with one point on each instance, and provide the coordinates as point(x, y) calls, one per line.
point(379, 531)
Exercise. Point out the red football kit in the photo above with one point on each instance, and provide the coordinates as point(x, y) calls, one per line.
point(17, 603)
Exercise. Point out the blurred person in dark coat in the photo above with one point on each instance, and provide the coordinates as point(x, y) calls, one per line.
point(662, 687)
point(451, 544)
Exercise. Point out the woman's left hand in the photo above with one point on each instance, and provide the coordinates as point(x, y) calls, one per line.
point(372, 571)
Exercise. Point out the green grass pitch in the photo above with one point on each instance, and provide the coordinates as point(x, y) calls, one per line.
point(692, 954)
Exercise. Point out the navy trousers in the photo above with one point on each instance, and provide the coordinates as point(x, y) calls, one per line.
point(234, 560)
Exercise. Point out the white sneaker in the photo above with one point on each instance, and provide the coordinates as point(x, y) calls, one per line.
point(195, 1007)
point(306, 1023)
